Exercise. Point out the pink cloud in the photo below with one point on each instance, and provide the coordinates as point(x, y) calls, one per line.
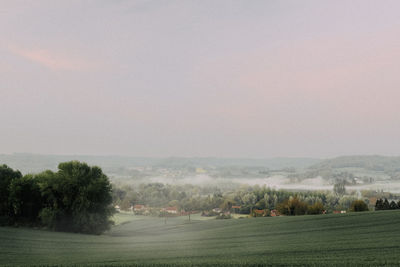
point(53, 60)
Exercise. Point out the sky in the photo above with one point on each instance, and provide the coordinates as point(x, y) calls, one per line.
point(200, 78)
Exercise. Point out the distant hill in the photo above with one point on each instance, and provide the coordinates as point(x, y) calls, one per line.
point(33, 163)
point(270, 163)
point(373, 163)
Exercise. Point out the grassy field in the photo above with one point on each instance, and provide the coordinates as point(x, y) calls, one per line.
point(364, 239)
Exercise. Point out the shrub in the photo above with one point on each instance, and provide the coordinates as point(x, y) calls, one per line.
point(317, 208)
point(292, 206)
point(359, 205)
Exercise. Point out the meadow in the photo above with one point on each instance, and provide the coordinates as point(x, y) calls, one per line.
point(363, 239)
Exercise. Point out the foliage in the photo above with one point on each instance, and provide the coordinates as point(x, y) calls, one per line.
point(77, 198)
point(293, 206)
point(339, 187)
point(385, 205)
point(317, 208)
point(359, 205)
point(7, 175)
point(25, 199)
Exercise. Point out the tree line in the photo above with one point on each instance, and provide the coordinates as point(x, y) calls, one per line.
point(76, 198)
point(249, 198)
point(385, 205)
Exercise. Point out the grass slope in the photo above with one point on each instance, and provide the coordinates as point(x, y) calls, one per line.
point(370, 238)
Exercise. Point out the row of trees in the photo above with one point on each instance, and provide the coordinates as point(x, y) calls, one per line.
point(385, 205)
point(295, 206)
point(203, 198)
point(76, 198)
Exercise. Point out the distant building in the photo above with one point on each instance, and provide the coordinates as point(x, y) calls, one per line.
point(171, 210)
point(139, 207)
point(339, 211)
point(274, 213)
point(259, 212)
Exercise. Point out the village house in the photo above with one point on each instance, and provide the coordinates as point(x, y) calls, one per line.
point(339, 212)
point(216, 210)
point(259, 212)
point(236, 208)
point(139, 208)
point(274, 213)
point(171, 210)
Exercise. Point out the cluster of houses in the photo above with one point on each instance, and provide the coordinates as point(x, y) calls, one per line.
point(339, 212)
point(145, 210)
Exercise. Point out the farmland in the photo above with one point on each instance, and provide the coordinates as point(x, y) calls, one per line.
point(367, 238)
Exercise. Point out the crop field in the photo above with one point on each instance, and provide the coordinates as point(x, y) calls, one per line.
point(364, 239)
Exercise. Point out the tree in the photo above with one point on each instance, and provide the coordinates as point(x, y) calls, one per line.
point(385, 205)
point(339, 187)
point(26, 200)
point(77, 199)
point(189, 205)
point(227, 205)
point(293, 206)
point(359, 205)
point(379, 204)
point(316, 208)
point(393, 205)
point(7, 175)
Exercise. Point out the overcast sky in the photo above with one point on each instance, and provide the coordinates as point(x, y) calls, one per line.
point(200, 78)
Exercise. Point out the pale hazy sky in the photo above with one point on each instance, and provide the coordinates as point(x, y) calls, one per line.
point(200, 78)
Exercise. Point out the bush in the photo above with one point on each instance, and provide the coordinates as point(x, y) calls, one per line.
point(292, 206)
point(359, 205)
point(317, 208)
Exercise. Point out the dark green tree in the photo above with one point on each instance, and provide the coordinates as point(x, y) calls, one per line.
point(77, 198)
point(393, 205)
point(359, 205)
point(7, 175)
point(385, 205)
point(379, 204)
point(25, 199)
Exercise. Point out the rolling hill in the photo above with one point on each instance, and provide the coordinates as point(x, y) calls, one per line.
point(368, 239)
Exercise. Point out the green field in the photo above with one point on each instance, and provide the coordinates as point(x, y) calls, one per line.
point(369, 238)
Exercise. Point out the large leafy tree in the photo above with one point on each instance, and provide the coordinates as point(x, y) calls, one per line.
point(25, 199)
point(7, 175)
point(77, 198)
